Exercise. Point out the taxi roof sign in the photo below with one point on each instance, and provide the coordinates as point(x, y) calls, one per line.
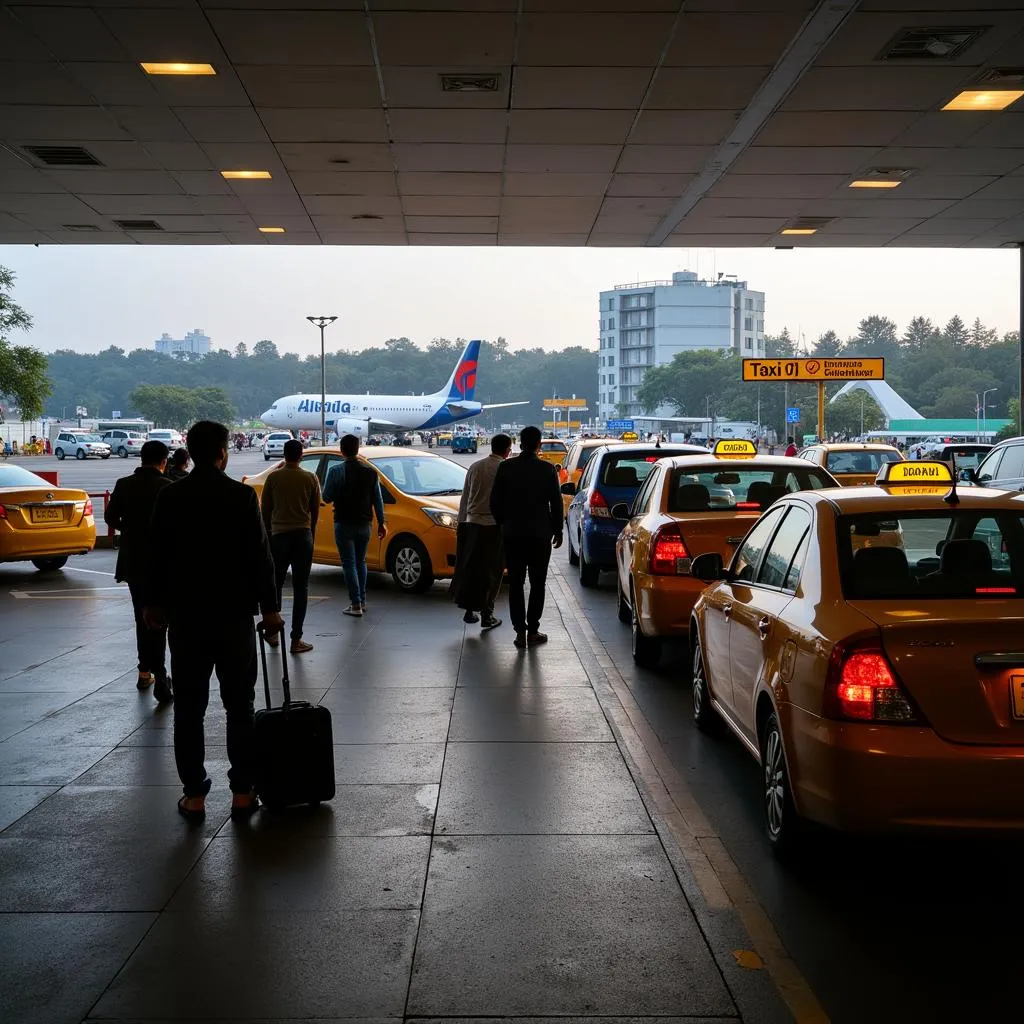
point(915, 473)
point(629, 435)
point(735, 448)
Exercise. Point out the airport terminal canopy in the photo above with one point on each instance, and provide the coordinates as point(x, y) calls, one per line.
point(893, 406)
point(516, 122)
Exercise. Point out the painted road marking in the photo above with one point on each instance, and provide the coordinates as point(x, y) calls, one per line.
point(99, 593)
point(95, 572)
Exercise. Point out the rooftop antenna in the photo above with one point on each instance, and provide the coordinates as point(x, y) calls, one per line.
point(951, 497)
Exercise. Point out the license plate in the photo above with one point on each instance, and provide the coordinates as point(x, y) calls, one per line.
point(1017, 696)
point(47, 515)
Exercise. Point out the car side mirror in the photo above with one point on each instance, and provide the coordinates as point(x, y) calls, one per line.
point(620, 510)
point(569, 489)
point(708, 567)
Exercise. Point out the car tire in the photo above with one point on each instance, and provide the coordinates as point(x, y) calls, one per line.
point(59, 452)
point(50, 564)
point(122, 452)
point(410, 566)
point(105, 457)
point(705, 717)
point(574, 558)
point(621, 606)
point(266, 457)
point(589, 574)
point(646, 649)
point(80, 455)
point(783, 826)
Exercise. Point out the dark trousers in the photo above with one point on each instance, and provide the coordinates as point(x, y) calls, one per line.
point(294, 548)
point(151, 643)
point(200, 647)
point(526, 556)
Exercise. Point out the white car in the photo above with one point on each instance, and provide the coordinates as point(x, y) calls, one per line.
point(80, 444)
point(273, 444)
point(171, 438)
point(125, 442)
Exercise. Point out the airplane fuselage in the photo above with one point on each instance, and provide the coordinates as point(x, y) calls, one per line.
point(402, 412)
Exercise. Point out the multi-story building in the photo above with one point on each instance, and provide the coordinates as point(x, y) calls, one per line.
point(195, 342)
point(644, 325)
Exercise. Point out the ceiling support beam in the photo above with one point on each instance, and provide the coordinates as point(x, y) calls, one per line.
point(819, 27)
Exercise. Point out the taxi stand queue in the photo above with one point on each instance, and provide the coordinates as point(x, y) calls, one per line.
point(863, 643)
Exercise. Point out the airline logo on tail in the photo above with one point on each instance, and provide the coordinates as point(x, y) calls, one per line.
point(463, 380)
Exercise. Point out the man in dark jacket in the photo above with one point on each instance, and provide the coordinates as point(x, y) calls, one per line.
point(130, 511)
point(527, 504)
point(211, 571)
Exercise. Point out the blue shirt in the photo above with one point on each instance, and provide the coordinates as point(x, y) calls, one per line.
point(335, 483)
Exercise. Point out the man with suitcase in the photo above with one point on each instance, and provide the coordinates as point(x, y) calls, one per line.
point(210, 571)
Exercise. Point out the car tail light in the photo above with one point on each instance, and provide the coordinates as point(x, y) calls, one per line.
point(862, 686)
point(598, 506)
point(87, 511)
point(3, 511)
point(669, 556)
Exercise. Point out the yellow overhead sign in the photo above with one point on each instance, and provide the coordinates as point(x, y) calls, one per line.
point(565, 403)
point(768, 370)
point(914, 474)
point(571, 424)
point(735, 448)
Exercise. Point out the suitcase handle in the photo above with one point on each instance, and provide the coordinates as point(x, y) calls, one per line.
point(285, 682)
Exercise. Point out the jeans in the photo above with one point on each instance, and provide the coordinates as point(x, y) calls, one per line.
point(151, 643)
point(526, 556)
point(294, 548)
point(198, 648)
point(352, 543)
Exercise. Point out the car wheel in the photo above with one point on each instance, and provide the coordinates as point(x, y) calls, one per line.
point(646, 649)
point(122, 452)
point(574, 558)
point(704, 715)
point(80, 455)
point(266, 457)
point(589, 574)
point(105, 457)
point(50, 564)
point(410, 565)
point(621, 606)
point(60, 454)
point(782, 824)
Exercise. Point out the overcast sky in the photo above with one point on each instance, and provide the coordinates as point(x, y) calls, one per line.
point(90, 297)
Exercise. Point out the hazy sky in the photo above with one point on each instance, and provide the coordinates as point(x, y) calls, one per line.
point(90, 297)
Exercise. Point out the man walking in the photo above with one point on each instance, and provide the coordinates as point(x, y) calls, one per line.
point(130, 511)
point(290, 507)
point(479, 562)
point(211, 570)
point(527, 504)
point(354, 488)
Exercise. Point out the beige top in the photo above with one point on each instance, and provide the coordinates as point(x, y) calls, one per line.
point(475, 506)
point(291, 499)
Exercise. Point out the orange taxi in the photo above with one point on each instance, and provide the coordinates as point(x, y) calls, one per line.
point(688, 505)
point(421, 494)
point(554, 451)
point(42, 523)
point(879, 688)
point(851, 463)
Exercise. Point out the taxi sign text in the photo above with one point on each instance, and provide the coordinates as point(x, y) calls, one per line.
point(630, 435)
point(735, 447)
point(914, 474)
point(813, 369)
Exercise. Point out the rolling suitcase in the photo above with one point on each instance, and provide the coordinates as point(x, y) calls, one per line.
point(294, 745)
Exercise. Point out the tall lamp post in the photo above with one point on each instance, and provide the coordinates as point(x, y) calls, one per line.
point(322, 322)
point(984, 408)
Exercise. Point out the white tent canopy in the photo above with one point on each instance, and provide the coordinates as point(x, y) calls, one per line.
point(893, 407)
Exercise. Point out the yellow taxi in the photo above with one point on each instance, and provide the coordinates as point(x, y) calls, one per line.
point(42, 523)
point(421, 494)
point(851, 463)
point(576, 459)
point(554, 451)
point(880, 688)
point(689, 505)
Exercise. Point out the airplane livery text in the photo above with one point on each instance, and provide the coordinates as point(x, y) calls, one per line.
point(311, 405)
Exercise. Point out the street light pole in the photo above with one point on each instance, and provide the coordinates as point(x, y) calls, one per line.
point(984, 408)
point(322, 322)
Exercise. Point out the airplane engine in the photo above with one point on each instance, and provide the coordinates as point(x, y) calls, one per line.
point(345, 426)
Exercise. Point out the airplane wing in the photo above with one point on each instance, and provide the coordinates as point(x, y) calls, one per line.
point(503, 405)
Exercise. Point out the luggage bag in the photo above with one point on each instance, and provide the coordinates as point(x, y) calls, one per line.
point(294, 745)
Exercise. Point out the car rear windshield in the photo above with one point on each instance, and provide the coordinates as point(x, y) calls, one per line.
point(630, 469)
point(552, 446)
point(718, 488)
point(859, 462)
point(966, 458)
point(920, 555)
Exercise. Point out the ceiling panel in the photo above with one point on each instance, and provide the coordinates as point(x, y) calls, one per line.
point(705, 88)
point(16, 42)
point(421, 87)
point(86, 181)
point(38, 83)
point(78, 33)
point(807, 159)
point(352, 206)
point(596, 88)
point(144, 206)
point(564, 159)
point(437, 125)
point(683, 127)
point(663, 159)
point(611, 40)
point(323, 125)
point(293, 37)
point(427, 183)
point(835, 128)
point(457, 225)
point(733, 39)
point(441, 156)
point(330, 156)
point(649, 184)
point(565, 215)
point(453, 40)
point(288, 86)
point(452, 239)
point(180, 156)
point(951, 161)
point(343, 183)
point(569, 126)
point(66, 123)
point(147, 124)
point(344, 238)
point(163, 35)
point(527, 184)
point(538, 238)
point(782, 186)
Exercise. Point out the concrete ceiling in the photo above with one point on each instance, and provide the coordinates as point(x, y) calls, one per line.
point(615, 122)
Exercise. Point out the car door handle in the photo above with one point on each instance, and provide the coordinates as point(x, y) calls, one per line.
point(727, 610)
point(764, 624)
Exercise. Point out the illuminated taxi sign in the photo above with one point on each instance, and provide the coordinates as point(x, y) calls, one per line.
point(734, 449)
point(923, 472)
point(629, 435)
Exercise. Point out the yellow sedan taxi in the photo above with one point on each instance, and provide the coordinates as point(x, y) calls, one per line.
point(851, 463)
point(42, 523)
point(881, 688)
point(554, 451)
point(688, 505)
point(421, 493)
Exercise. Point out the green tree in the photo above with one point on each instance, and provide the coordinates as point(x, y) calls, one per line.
point(827, 345)
point(955, 332)
point(241, 352)
point(1013, 428)
point(23, 375)
point(779, 346)
point(167, 405)
point(918, 331)
point(981, 335)
point(876, 336)
point(212, 403)
point(843, 415)
point(265, 349)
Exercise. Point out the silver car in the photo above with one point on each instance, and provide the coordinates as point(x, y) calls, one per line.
point(125, 442)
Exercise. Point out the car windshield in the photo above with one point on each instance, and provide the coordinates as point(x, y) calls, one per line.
point(552, 446)
point(280, 437)
point(89, 437)
point(15, 476)
point(919, 555)
point(421, 474)
point(720, 488)
point(859, 462)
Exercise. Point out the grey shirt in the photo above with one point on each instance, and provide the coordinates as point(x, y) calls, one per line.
point(475, 505)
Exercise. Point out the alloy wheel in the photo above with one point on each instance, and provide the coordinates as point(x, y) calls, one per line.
point(408, 566)
point(774, 783)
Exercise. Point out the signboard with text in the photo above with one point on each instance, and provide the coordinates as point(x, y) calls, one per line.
point(793, 414)
point(576, 404)
point(840, 368)
point(621, 425)
point(557, 424)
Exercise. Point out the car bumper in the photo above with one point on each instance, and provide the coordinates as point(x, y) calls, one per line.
point(865, 778)
point(22, 545)
point(599, 542)
point(664, 603)
point(440, 545)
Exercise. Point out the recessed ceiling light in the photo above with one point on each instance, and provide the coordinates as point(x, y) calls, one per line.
point(245, 174)
point(176, 68)
point(272, 231)
point(984, 99)
point(367, 216)
point(928, 43)
point(874, 183)
point(798, 231)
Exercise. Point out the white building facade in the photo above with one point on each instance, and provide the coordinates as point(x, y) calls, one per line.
point(646, 324)
point(195, 342)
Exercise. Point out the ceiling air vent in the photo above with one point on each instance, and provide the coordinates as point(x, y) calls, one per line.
point(81, 227)
point(138, 225)
point(932, 43)
point(470, 83)
point(1002, 78)
point(63, 156)
point(367, 216)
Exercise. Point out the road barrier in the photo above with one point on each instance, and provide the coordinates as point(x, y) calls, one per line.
point(109, 539)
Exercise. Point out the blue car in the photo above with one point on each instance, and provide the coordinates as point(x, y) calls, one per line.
point(613, 475)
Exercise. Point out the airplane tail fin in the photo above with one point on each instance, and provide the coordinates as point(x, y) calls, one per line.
point(462, 382)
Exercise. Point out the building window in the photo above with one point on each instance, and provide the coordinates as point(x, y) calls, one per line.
point(611, 323)
point(750, 304)
point(611, 379)
point(748, 344)
point(611, 302)
point(760, 327)
point(748, 323)
point(611, 360)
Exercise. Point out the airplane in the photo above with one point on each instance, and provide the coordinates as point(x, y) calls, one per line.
point(361, 414)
